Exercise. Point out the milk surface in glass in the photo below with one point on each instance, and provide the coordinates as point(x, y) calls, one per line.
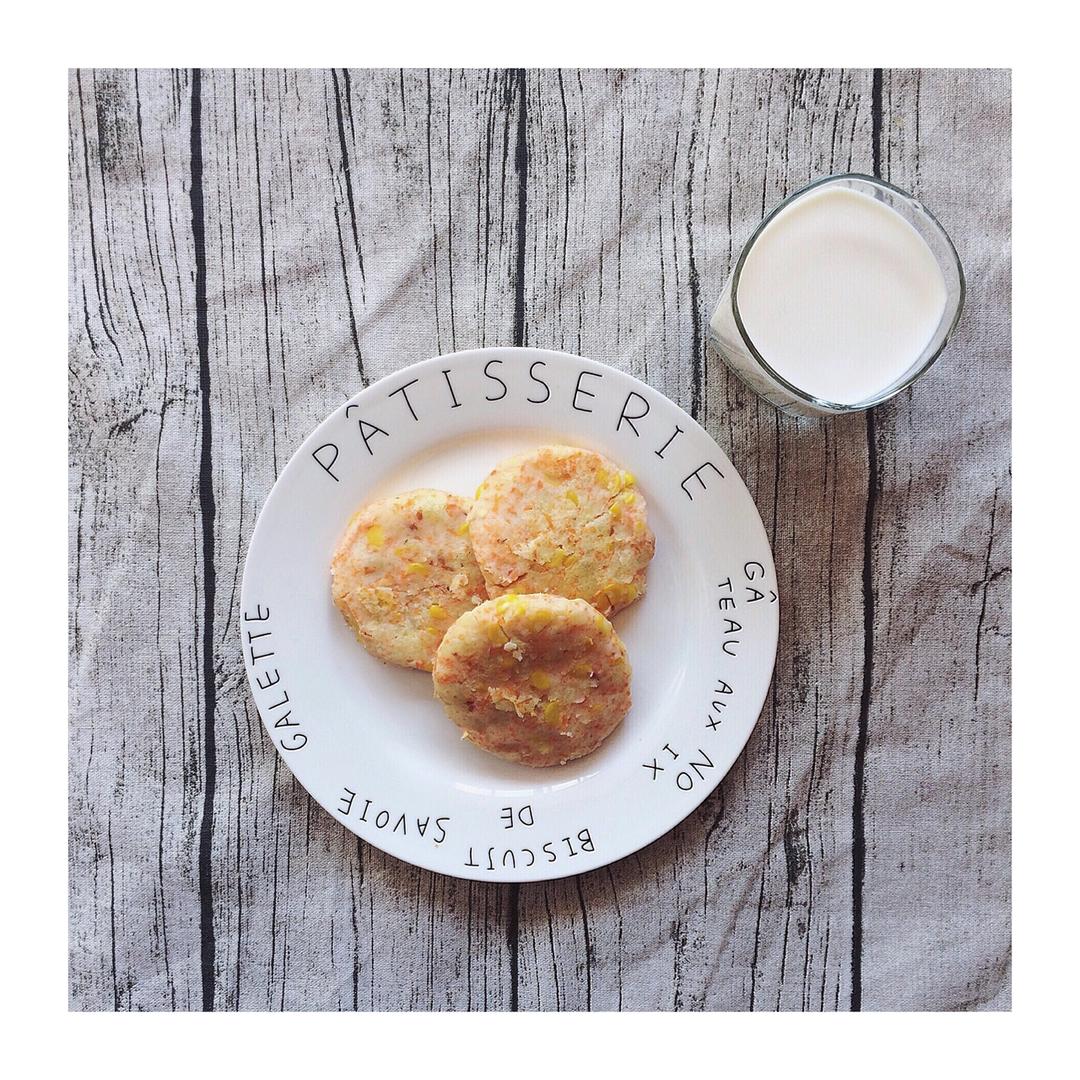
point(840, 295)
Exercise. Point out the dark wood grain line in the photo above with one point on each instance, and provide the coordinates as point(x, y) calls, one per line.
point(619, 224)
point(99, 273)
point(238, 859)
point(450, 260)
point(697, 343)
point(346, 167)
point(112, 917)
point(349, 300)
point(760, 909)
point(257, 158)
point(875, 119)
point(588, 943)
point(987, 578)
point(858, 822)
point(521, 167)
point(148, 217)
point(566, 168)
point(207, 514)
point(431, 212)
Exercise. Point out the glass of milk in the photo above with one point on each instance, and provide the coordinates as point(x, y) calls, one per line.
point(844, 295)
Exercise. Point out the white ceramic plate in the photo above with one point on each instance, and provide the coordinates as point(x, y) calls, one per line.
point(370, 742)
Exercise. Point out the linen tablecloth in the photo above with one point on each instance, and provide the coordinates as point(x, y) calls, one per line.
point(249, 249)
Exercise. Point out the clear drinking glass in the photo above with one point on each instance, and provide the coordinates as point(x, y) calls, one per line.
point(731, 340)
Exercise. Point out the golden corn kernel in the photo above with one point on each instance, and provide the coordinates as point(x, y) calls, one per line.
point(509, 604)
point(581, 670)
point(495, 634)
point(375, 537)
point(462, 529)
point(436, 611)
point(552, 712)
point(557, 558)
point(572, 495)
point(541, 680)
point(615, 510)
point(378, 599)
point(416, 568)
point(478, 490)
point(619, 481)
point(620, 592)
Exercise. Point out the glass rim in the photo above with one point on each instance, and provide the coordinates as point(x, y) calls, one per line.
point(893, 389)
